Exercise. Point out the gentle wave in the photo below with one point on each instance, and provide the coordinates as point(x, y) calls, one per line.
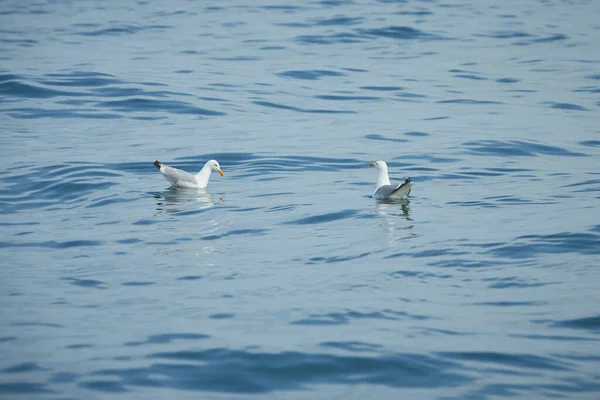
point(301, 110)
point(95, 89)
point(517, 148)
point(93, 185)
point(360, 35)
point(168, 338)
point(240, 371)
point(121, 30)
point(310, 74)
point(329, 217)
point(346, 317)
point(529, 246)
point(588, 323)
point(29, 188)
point(223, 370)
point(52, 244)
point(302, 284)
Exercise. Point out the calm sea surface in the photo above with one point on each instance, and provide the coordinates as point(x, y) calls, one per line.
point(285, 280)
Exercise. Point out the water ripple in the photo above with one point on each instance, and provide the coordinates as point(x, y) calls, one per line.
point(24, 388)
point(339, 20)
point(309, 74)
point(342, 318)
point(168, 338)
point(383, 138)
point(527, 246)
point(79, 79)
point(20, 368)
point(19, 89)
point(353, 346)
point(253, 232)
point(569, 106)
point(527, 361)
point(87, 283)
point(516, 148)
point(123, 30)
point(88, 88)
point(346, 98)
point(59, 184)
point(238, 371)
point(52, 244)
point(302, 110)
point(335, 259)
point(148, 105)
point(329, 217)
point(335, 38)
point(382, 88)
point(588, 323)
point(34, 113)
point(468, 101)
point(398, 32)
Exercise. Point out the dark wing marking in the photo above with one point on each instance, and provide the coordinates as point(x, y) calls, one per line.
point(402, 190)
point(398, 188)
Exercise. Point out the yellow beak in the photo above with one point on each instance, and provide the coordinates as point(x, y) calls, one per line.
point(371, 164)
point(220, 172)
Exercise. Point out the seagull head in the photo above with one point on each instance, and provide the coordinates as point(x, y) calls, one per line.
point(214, 165)
point(380, 165)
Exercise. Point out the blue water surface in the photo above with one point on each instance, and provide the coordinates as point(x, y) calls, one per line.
point(284, 279)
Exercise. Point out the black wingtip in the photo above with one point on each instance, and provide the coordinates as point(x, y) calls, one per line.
point(157, 164)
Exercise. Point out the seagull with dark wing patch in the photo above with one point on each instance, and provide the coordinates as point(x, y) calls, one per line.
point(179, 178)
point(385, 190)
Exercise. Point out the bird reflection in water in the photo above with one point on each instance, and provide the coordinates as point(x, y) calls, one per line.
point(391, 210)
point(178, 200)
point(398, 208)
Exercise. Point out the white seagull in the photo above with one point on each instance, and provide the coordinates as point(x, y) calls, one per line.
point(384, 188)
point(182, 179)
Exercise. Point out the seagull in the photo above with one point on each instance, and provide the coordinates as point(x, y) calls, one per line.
point(182, 179)
point(384, 188)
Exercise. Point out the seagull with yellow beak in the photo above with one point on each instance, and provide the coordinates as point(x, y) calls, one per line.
point(385, 189)
point(182, 179)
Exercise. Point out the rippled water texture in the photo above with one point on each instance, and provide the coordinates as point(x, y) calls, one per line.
point(284, 279)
